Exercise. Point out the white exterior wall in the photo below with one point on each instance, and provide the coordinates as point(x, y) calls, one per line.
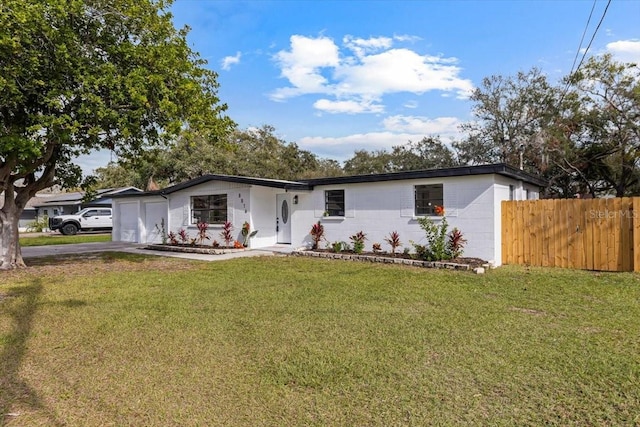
point(238, 202)
point(472, 204)
point(379, 208)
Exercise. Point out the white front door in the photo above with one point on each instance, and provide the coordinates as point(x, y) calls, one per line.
point(283, 218)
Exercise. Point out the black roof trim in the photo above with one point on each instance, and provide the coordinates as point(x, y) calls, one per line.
point(498, 168)
point(264, 182)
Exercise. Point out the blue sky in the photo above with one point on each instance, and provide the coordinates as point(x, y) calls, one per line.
point(337, 76)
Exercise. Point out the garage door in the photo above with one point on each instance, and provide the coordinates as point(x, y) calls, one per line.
point(155, 213)
point(128, 220)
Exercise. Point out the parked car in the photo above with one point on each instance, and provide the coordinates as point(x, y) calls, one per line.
point(84, 220)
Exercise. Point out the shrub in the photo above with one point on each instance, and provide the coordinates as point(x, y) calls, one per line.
point(376, 247)
point(247, 234)
point(441, 245)
point(225, 234)
point(184, 237)
point(173, 238)
point(317, 234)
point(336, 247)
point(394, 241)
point(358, 242)
point(238, 245)
point(202, 232)
point(38, 225)
point(456, 243)
point(215, 244)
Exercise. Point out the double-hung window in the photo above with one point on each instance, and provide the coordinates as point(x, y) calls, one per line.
point(427, 197)
point(211, 209)
point(334, 202)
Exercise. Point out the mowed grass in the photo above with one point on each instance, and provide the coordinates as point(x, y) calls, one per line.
point(59, 239)
point(275, 341)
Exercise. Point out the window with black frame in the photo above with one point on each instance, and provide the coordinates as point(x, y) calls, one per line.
point(427, 198)
point(211, 209)
point(334, 202)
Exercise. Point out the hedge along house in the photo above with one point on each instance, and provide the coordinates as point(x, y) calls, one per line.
point(283, 212)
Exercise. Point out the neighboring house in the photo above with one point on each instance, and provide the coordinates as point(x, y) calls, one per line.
point(283, 212)
point(52, 204)
point(69, 203)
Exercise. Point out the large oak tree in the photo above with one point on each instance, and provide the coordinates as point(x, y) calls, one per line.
point(80, 75)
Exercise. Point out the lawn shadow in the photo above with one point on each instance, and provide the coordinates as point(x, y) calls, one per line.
point(22, 302)
point(106, 257)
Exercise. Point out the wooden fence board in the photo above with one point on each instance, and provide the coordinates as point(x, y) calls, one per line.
point(593, 234)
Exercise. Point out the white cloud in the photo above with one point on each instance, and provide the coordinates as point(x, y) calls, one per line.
point(367, 69)
point(363, 46)
point(303, 63)
point(228, 61)
point(625, 50)
point(348, 106)
point(422, 125)
point(398, 130)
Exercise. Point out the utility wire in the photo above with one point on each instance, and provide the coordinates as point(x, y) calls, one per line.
point(584, 55)
point(584, 33)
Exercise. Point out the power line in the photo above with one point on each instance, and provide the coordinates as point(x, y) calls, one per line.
point(584, 33)
point(586, 50)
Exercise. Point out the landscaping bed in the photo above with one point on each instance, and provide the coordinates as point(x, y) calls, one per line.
point(400, 258)
point(194, 249)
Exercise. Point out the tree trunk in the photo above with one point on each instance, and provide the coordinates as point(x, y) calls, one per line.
point(10, 253)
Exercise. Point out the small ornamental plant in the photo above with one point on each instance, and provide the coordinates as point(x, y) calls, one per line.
point(439, 210)
point(238, 245)
point(184, 237)
point(173, 238)
point(247, 234)
point(202, 232)
point(317, 234)
point(394, 241)
point(358, 242)
point(377, 247)
point(215, 244)
point(456, 243)
point(336, 247)
point(226, 235)
point(441, 244)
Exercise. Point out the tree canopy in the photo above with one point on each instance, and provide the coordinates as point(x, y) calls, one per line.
point(80, 75)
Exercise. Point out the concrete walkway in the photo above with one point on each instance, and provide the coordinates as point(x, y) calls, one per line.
point(83, 248)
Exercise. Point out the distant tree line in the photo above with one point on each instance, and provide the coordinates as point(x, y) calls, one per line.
point(582, 135)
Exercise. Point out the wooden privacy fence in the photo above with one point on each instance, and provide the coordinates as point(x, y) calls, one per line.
point(591, 234)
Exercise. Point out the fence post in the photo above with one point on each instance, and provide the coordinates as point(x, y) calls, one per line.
point(636, 234)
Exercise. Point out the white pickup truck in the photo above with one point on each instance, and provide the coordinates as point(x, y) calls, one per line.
point(84, 220)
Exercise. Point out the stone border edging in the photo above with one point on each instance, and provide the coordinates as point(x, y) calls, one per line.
point(192, 250)
point(384, 260)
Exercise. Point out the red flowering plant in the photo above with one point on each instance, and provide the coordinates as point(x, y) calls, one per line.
point(238, 245)
point(439, 210)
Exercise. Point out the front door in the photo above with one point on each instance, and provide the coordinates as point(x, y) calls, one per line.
point(283, 218)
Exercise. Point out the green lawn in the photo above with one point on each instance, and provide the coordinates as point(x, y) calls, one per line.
point(59, 239)
point(275, 341)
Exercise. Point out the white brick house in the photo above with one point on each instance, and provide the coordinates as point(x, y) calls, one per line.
point(283, 212)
